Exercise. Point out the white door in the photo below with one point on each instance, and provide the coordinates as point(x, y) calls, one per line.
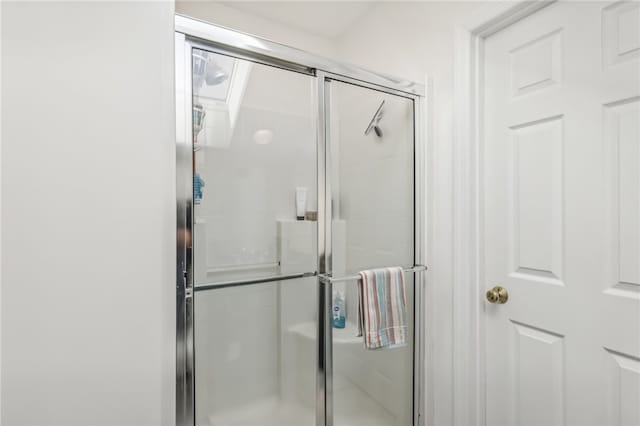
point(561, 217)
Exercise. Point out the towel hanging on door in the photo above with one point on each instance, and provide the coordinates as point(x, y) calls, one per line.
point(382, 308)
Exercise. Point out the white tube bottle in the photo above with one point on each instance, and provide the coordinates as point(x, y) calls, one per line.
point(301, 202)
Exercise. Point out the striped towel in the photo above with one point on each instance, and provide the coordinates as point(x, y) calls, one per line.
point(382, 308)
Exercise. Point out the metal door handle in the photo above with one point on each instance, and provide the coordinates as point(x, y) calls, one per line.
point(498, 295)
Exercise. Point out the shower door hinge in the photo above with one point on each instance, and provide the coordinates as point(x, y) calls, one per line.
point(188, 291)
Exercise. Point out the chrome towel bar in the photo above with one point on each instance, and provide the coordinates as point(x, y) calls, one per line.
point(239, 268)
point(324, 279)
point(416, 268)
point(236, 283)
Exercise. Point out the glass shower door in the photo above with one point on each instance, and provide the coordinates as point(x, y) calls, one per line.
point(371, 143)
point(254, 141)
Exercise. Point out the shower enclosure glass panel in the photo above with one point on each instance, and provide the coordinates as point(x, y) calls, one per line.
point(371, 138)
point(255, 354)
point(254, 141)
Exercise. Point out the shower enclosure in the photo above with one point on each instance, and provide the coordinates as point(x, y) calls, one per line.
point(256, 124)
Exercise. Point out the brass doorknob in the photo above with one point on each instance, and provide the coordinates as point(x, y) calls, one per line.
point(498, 295)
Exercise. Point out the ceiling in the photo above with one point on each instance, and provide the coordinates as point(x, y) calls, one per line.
point(324, 18)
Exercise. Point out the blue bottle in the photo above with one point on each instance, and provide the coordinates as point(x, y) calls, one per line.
point(198, 184)
point(338, 310)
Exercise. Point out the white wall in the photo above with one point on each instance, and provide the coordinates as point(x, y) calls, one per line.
point(225, 16)
point(1, 210)
point(88, 213)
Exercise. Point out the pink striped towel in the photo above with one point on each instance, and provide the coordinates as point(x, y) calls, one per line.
point(382, 308)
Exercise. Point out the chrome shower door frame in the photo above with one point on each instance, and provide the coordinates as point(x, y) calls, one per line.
point(185, 384)
point(325, 335)
point(192, 33)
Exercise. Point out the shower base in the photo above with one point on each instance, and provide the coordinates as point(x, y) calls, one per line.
point(294, 405)
point(353, 408)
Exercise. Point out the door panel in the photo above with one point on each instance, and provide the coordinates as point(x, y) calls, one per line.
point(562, 216)
point(536, 200)
point(372, 183)
point(621, 136)
point(254, 143)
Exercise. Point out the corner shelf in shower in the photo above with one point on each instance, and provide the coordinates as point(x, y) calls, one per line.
point(345, 335)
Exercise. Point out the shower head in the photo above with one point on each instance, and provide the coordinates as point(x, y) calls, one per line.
point(207, 70)
point(373, 124)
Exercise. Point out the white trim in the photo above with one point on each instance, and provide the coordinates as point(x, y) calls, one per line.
point(467, 261)
point(424, 182)
point(428, 323)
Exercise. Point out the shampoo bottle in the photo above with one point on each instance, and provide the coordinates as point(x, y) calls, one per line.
point(338, 310)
